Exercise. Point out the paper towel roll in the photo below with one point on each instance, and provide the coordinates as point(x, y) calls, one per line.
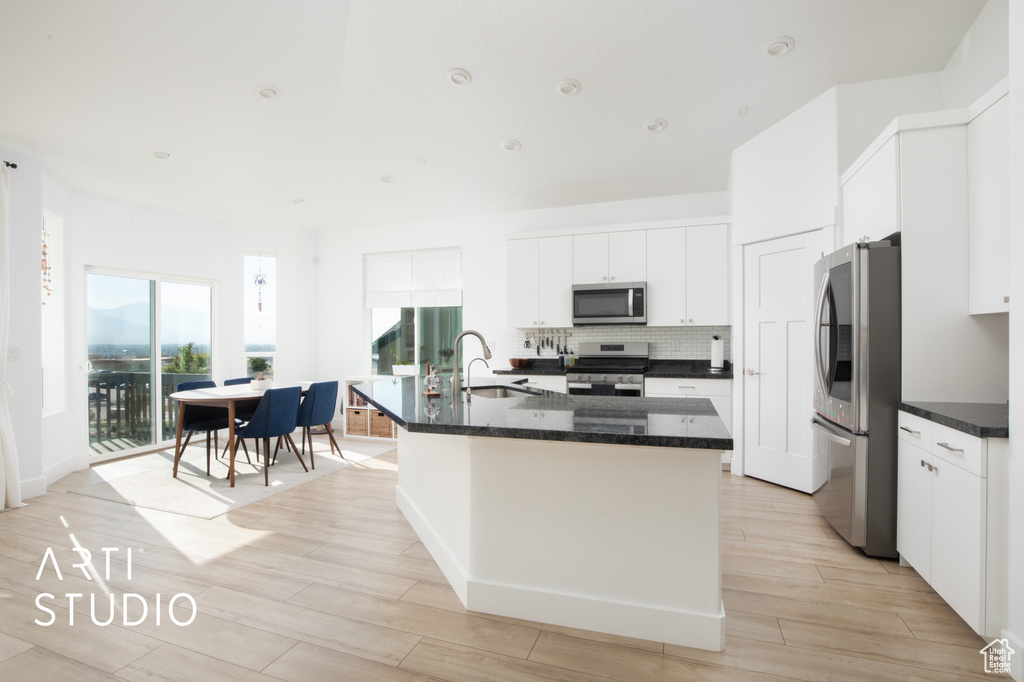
point(717, 353)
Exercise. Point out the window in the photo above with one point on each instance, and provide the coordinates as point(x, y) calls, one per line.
point(260, 302)
point(415, 303)
point(414, 336)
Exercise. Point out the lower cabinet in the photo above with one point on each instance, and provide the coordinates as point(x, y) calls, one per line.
point(948, 524)
point(718, 391)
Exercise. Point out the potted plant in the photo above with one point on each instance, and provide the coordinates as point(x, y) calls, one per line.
point(399, 367)
point(259, 365)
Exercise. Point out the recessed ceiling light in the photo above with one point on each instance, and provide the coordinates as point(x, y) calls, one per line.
point(267, 91)
point(459, 77)
point(386, 179)
point(569, 87)
point(512, 145)
point(160, 155)
point(741, 112)
point(777, 47)
point(656, 125)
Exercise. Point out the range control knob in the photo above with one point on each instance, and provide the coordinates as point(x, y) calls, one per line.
point(620, 379)
point(604, 378)
point(586, 379)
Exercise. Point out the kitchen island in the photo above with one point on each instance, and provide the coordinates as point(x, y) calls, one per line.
point(596, 512)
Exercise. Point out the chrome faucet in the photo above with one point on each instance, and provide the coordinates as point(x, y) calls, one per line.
point(456, 379)
point(469, 368)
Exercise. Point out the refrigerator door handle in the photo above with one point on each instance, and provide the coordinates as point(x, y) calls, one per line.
point(819, 313)
point(835, 438)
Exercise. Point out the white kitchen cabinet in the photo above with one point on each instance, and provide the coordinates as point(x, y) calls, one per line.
point(609, 257)
point(947, 524)
point(718, 391)
point(914, 178)
point(688, 276)
point(988, 178)
point(870, 201)
point(539, 282)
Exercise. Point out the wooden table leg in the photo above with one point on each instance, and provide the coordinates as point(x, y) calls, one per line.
point(177, 442)
point(231, 441)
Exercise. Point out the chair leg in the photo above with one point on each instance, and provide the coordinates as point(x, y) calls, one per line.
point(266, 460)
point(216, 448)
point(276, 448)
point(188, 437)
point(208, 453)
point(244, 449)
point(288, 437)
point(334, 443)
point(309, 434)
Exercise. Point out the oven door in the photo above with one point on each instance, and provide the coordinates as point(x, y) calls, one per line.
point(619, 390)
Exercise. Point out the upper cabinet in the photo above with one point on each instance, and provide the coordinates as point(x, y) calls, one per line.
point(609, 257)
point(539, 282)
point(870, 202)
point(988, 183)
point(688, 276)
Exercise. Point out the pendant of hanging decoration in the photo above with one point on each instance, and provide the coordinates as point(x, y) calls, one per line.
point(259, 280)
point(47, 269)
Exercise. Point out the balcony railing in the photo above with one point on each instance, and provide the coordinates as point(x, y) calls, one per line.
point(121, 409)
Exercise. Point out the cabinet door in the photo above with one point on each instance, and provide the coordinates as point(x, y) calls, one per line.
point(555, 282)
point(870, 199)
point(590, 258)
point(988, 187)
point(522, 277)
point(958, 541)
point(707, 275)
point(666, 277)
point(627, 256)
point(914, 508)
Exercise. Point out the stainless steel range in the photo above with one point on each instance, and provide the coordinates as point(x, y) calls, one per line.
point(615, 369)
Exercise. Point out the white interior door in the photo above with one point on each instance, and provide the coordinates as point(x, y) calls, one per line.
point(778, 283)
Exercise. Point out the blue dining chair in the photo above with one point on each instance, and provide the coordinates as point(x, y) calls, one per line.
point(241, 416)
point(276, 415)
point(317, 409)
point(198, 418)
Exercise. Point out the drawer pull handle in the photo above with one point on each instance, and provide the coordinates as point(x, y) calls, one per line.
point(693, 387)
point(904, 428)
point(923, 463)
point(947, 446)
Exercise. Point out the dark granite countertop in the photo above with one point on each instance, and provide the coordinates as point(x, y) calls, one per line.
point(687, 369)
point(532, 413)
point(659, 369)
point(983, 420)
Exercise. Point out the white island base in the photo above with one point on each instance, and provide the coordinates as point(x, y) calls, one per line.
point(620, 539)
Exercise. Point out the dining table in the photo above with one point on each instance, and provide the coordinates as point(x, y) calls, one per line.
point(230, 397)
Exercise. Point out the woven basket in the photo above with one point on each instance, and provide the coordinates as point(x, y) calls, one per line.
point(380, 424)
point(355, 422)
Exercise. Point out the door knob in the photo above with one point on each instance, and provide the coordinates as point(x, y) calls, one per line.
point(751, 372)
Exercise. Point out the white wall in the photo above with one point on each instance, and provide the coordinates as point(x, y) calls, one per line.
point(25, 339)
point(1016, 469)
point(981, 60)
point(343, 321)
point(783, 178)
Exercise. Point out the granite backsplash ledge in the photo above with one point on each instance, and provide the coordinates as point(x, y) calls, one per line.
point(666, 343)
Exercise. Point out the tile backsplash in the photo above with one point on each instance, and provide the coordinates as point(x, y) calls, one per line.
point(666, 343)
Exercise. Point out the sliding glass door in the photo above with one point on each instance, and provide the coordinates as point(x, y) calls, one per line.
point(138, 357)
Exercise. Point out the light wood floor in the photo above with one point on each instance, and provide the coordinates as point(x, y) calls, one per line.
point(328, 582)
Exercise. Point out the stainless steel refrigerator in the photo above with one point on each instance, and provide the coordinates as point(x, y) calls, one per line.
point(857, 386)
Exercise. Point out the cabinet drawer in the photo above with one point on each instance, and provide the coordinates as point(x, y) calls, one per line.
point(961, 449)
point(687, 387)
point(916, 430)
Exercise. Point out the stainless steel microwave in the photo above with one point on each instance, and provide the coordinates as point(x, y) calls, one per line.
point(612, 303)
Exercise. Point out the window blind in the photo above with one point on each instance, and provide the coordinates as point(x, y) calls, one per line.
point(416, 279)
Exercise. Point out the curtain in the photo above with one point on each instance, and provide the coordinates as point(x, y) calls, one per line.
point(10, 480)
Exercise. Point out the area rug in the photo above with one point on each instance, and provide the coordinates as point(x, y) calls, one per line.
point(146, 481)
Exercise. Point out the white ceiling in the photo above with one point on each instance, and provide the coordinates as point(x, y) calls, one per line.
point(93, 88)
